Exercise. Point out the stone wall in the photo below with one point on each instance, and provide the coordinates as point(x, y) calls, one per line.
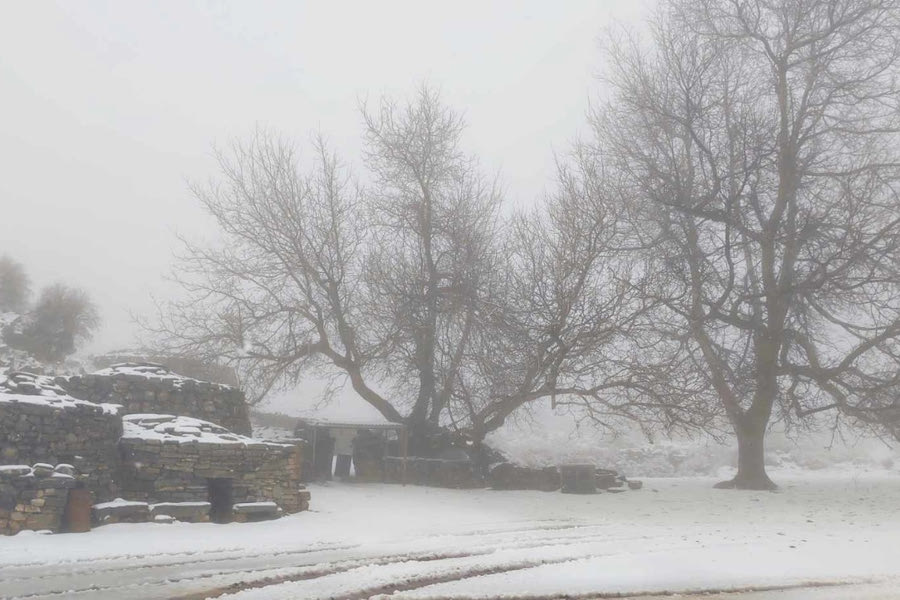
point(82, 434)
point(149, 388)
point(507, 476)
point(433, 472)
point(172, 467)
point(33, 498)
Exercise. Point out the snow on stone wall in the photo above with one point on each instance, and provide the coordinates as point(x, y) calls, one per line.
point(33, 498)
point(40, 424)
point(151, 388)
point(173, 459)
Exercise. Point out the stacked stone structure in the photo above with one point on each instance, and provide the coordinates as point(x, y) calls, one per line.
point(180, 459)
point(154, 389)
point(33, 498)
point(39, 423)
point(181, 464)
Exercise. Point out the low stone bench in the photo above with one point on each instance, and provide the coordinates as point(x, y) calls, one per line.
point(255, 511)
point(120, 511)
point(191, 512)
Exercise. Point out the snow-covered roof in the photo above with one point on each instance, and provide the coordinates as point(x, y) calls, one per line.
point(151, 370)
point(183, 430)
point(348, 410)
point(337, 423)
point(27, 388)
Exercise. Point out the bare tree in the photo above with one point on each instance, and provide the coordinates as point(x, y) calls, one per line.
point(575, 316)
point(760, 139)
point(436, 253)
point(441, 313)
point(385, 284)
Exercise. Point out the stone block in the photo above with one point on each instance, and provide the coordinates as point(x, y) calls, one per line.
point(183, 511)
point(120, 511)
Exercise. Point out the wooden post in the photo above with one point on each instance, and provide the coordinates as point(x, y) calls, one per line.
point(404, 450)
point(312, 458)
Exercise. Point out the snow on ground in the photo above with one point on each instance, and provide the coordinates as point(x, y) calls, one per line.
point(554, 437)
point(371, 540)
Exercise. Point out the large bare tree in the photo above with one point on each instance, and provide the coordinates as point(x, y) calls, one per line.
point(760, 141)
point(577, 320)
point(384, 284)
point(441, 311)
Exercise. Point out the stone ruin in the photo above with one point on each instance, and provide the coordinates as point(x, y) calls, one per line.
point(41, 423)
point(102, 433)
point(34, 498)
point(153, 388)
point(183, 459)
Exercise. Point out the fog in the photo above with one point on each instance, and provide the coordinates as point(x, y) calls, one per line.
point(111, 108)
point(465, 300)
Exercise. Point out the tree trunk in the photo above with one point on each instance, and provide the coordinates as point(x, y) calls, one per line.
point(751, 473)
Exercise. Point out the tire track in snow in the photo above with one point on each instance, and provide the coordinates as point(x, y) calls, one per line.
point(37, 569)
point(234, 567)
point(496, 564)
point(235, 555)
point(485, 543)
point(537, 526)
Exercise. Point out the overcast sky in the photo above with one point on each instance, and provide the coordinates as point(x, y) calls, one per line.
point(109, 108)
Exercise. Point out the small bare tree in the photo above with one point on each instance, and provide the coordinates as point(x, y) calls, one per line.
point(760, 139)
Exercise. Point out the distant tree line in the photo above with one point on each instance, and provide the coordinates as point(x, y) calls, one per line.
point(723, 250)
point(53, 326)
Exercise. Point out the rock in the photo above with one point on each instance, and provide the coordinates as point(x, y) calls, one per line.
point(13, 471)
point(163, 519)
point(578, 479)
point(257, 510)
point(65, 469)
point(42, 470)
point(120, 511)
point(606, 480)
point(634, 484)
point(183, 511)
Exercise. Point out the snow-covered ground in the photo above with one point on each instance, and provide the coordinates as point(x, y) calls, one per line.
point(823, 536)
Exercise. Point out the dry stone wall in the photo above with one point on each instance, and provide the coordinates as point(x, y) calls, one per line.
point(149, 388)
point(39, 429)
point(33, 498)
point(434, 472)
point(177, 464)
point(508, 476)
